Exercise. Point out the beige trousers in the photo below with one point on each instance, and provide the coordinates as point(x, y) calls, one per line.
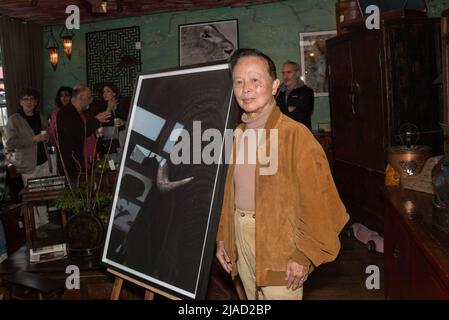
point(245, 231)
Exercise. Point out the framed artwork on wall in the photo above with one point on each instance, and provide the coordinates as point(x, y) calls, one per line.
point(165, 212)
point(111, 56)
point(313, 60)
point(207, 41)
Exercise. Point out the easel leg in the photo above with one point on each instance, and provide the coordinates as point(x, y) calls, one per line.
point(118, 283)
point(149, 295)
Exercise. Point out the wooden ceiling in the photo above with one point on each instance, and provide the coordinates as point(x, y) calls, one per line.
point(52, 12)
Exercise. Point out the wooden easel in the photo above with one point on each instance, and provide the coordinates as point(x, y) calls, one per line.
point(149, 292)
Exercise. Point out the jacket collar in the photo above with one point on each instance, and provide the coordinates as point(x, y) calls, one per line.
point(271, 122)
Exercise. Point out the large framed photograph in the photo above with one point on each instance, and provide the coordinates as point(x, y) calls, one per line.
point(167, 201)
point(313, 60)
point(207, 41)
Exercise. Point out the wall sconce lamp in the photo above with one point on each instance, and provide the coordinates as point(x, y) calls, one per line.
point(52, 47)
point(67, 41)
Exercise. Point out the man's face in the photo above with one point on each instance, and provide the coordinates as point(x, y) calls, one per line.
point(254, 88)
point(85, 98)
point(28, 103)
point(290, 75)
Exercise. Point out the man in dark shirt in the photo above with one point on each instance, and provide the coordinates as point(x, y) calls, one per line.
point(72, 128)
point(295, 98)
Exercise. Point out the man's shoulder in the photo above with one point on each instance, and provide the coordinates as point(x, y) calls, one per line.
point(290, 124)
point(304, 89)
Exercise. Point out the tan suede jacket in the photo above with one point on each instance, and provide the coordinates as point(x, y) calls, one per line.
point(299, 214)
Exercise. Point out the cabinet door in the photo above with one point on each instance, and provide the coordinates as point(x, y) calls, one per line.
point(397, 257)
point(425, 282)
point(356, 99)
point(361, 192)
point(340, 77)
point(413, 71)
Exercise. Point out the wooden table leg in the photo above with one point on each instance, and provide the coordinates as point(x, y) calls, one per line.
point(26, 218)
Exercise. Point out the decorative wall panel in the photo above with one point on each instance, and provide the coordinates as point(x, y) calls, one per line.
point(112, 57)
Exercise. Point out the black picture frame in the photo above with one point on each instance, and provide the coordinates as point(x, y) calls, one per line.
point(167, 239)
point(207, 42)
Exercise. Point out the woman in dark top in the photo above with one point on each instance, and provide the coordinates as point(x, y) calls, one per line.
point(118, 107)
point(63, 97)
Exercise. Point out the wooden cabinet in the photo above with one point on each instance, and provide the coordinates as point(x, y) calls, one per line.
point(416, 255)
point(445, 66)
point(380, 80)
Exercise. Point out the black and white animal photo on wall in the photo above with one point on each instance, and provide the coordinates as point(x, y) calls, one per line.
point(167, 201)
point(207, 42)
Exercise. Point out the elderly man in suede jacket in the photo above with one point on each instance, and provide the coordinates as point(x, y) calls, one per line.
point(278, 222)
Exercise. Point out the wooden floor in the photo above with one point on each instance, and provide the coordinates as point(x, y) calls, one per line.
point(345, 277)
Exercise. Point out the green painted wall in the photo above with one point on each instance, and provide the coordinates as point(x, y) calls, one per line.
point(272, 28)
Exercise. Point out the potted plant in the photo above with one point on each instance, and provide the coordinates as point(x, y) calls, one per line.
point(86, 219)
point(87, 210)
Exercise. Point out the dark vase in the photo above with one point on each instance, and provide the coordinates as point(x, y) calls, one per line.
point(85, 235)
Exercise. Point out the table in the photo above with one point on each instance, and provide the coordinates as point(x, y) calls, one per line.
point(31, 199)
point(95, 282)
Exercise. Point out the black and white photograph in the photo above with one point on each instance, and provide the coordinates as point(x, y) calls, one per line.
point(164, 217)
point(223, 150)
point(207, 42)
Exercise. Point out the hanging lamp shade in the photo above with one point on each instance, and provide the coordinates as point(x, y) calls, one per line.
point(67, 42)
point(53, 50)
point(54, 57)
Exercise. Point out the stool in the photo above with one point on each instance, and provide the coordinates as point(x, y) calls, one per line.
point(29, 286)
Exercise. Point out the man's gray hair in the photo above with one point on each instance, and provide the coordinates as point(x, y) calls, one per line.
point(296, 66)
point(78, 89)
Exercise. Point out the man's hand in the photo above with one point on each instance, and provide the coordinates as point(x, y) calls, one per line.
point(223, 257)
point(295, 275)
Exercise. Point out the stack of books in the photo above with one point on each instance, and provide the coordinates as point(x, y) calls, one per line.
point(48, 253)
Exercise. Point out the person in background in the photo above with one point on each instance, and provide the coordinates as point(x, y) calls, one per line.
point(27, 135)
point(63, 97)
point(295, 98)
point(279, 220)
point(113, 131)
point(3, 248)
point(72, 129)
